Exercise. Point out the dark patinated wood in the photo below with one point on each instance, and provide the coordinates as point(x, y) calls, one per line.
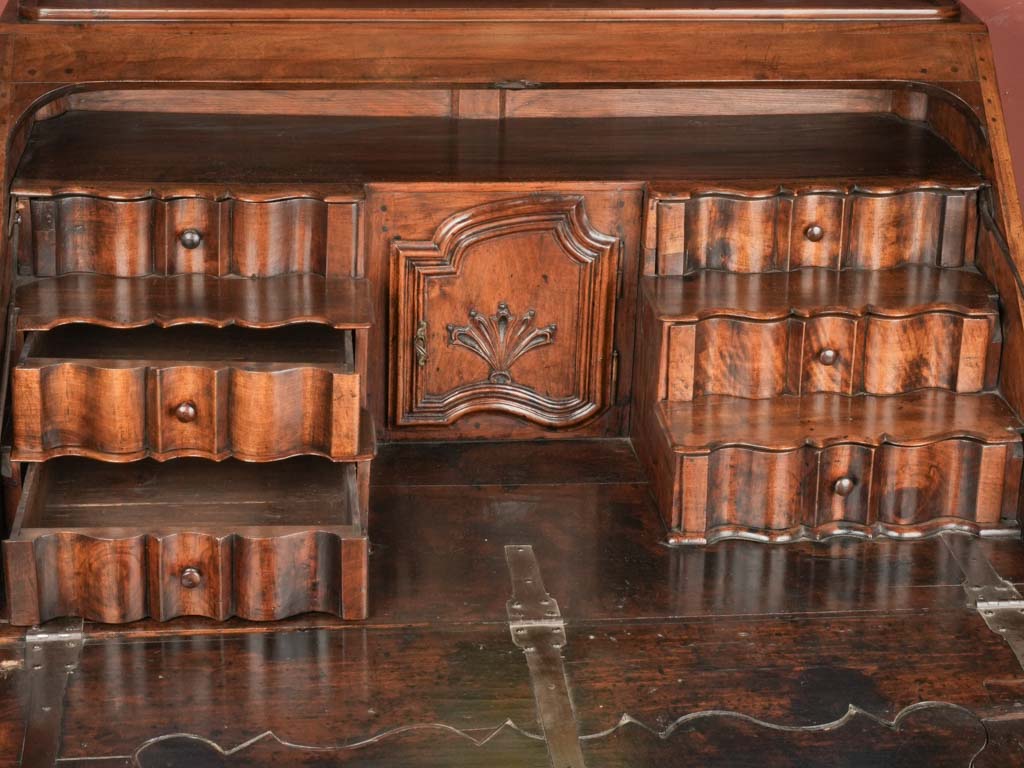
point(700, 232)
point(92, 152)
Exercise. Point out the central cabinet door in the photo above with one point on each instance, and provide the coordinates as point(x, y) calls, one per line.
point(509, 308)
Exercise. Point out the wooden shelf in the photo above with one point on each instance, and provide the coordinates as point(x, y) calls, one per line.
point(898, 292)
point(118, 302)
point(190, 495)
point(475, 10)
point(819, 420)
point(153, 154)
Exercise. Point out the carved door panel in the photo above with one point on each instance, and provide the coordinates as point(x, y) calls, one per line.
point(508, 309)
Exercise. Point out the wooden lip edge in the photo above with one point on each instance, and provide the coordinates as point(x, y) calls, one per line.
point(166, 317)
point(820, 443)
point(367, 451)
point(834, 530)
point(649, 283)
point(1007, 436)
point(219, 530)
point(31, 362)
point(340, 192)
point(34, 10)
point(660, 191)
point(804, 313)
point(30, 323)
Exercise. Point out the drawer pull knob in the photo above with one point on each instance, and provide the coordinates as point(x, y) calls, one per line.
point(828, 356)
point(190, 578)
point(191, 238)
point(185, 412)
point(843, 486)
point(814, 233)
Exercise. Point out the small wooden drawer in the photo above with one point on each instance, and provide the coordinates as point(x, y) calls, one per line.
point(836, 229)
point(122, 395)
point(900, 491)
point(823, 464)
point(185, 235)
point(832, 353)
point(119, 542)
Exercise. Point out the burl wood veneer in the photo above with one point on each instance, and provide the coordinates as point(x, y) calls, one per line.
point(793, 281)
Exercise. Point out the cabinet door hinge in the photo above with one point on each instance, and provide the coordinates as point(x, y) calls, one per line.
point(619, 281)
point(615, 374)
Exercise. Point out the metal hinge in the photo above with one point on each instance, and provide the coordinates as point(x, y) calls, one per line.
point(52, 654)
point(13, 221)
point(615, 373)
point(997, 600)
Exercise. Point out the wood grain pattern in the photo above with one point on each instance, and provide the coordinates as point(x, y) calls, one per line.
point(486, 52)
point(508, 309)
point(193, 299)
point(878, 356)
point(185, 235)
point(878, 332)
point(213, 540)
point(851, 230)
point(97, 153)
point(819, 465)
point(254, 395)
point(79, 10)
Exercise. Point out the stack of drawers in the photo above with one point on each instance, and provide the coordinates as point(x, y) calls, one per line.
point(825, 361)
point(188, 395)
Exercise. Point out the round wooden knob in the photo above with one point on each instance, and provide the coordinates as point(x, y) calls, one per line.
point(185, 412)
point(191, 238)
point(843, 486)
point(814, 233)
point(828, 356)
point(190, 578)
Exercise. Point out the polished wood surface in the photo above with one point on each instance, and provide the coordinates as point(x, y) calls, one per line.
point(916, 418)
point(68, 10)
point(535, 341)
point(807, 293)
point(193, 299)
point(817, 465)
point(697, 234)
point(732, 654)
point(96, 152)
point(117, 543)
point(185, 235)
point(852, 332)
point(838, 230)
point(121, 395)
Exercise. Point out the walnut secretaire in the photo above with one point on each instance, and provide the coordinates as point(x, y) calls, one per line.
point(775, 244)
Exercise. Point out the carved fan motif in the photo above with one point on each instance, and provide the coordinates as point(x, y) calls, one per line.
point(530, 258)
point(500, 339)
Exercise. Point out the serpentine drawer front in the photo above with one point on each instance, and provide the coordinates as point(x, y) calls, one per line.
point(816, 465)
point(120, 542)
point(121, 395)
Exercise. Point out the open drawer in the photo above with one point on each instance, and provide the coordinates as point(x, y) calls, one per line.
point(123, 395)
point(120, 542)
